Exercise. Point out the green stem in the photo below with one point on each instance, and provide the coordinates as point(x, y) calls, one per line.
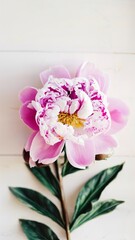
point(62, 200)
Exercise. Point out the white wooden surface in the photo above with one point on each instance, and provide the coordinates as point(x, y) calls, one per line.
point(61, 25)
point(35, 34)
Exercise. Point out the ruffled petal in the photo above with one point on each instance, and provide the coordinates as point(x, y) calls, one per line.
point(57, 71)
point(43, 152)
point(89, 71)
point(119, 114)
point(103, 143)
point(29, 141)
point(86, 107)
point(80, 156)
point(28, 116)
point(27, 94)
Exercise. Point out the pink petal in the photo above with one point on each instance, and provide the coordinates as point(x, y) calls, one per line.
point(103, 143)
point(27, 94)
point(80, 156)
point(89, 71)
point(43, 152)
point(85, 69)
point(119, 114)
point(32, 163)
point(57, 71)
point(29, 141)
point(28, 116)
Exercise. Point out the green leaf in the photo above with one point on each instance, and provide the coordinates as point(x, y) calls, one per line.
point(38, 202)
point(68, 169)
point(35, 230)
point(93, 188)
point(98, 209)
point(46, 177)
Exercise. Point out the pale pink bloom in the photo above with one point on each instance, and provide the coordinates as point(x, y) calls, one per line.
point(71, 111)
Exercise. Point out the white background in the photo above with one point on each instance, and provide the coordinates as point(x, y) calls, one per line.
point(35, 34)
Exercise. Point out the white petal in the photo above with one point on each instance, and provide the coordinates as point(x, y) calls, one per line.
point(36, 105)
point(61, 129)
point(53, 112)
point(86, 109)
point(74, 106)
point(62, 104)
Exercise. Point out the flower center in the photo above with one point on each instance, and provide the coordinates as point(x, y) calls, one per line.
point(71, 119)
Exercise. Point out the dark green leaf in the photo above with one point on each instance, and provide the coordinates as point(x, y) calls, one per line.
point(37, 231)
point(92, 190)
point(98, 209)
point(68, 169)
point(46, 177)
point(38, 202)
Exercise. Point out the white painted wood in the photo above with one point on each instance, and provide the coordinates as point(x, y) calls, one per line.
point(18, 70)
point(61, 25)
point(118, 225)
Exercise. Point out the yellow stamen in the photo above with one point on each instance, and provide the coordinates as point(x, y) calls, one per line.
point(72, 120)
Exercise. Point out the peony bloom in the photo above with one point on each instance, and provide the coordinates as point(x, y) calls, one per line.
point(71, 111)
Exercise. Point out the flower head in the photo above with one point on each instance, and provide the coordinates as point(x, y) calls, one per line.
point(72, 111)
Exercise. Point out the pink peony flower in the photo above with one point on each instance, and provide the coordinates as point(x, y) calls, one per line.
point(74, 112)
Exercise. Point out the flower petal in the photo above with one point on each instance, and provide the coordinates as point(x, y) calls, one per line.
point(74, 106)
point(43, 152)
point(28, 116)
point(103, 143)
point(80, 156)
point(29, 141)
point(32, 163)
point(27, 94)
point(119, 114)
point(57, 71)
point(89, 71)
point(86, 108)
